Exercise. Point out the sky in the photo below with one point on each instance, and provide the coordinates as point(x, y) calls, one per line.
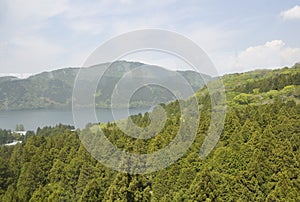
point(238, 36)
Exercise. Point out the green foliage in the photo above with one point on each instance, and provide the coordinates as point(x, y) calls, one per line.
point(256, 159)
point(242, 98)
point(288, 90)
point(6, 136)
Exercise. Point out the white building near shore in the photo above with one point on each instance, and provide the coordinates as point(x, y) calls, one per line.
point(13, 143)
point(20, 132)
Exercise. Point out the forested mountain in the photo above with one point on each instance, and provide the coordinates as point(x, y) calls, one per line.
point(54, 89)
point(256, 159)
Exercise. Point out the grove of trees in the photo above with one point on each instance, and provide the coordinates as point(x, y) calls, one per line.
point(256, 158)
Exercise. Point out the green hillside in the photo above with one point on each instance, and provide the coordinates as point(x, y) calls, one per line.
point(256, 158)
point(261, 86)
point(54, 89)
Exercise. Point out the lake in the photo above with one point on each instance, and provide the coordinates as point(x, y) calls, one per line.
point(32, 119)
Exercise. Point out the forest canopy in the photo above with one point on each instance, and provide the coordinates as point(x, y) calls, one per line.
point(256, 158)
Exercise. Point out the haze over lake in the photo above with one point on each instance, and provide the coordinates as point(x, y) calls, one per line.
point(32, 119)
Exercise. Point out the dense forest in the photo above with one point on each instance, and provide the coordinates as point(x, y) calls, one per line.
point(256, 158)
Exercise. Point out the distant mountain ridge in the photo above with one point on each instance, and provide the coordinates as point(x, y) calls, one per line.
point(54, 89)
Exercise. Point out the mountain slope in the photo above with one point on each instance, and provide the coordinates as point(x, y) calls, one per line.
point(256, 158)
point(260, 86)
point(54, 89)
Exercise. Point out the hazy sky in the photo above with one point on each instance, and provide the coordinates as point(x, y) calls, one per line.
point(40, 35)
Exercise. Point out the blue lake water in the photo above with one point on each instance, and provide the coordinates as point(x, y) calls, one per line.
point(32, 119)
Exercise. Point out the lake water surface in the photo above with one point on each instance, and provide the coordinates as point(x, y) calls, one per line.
point(32, 119)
